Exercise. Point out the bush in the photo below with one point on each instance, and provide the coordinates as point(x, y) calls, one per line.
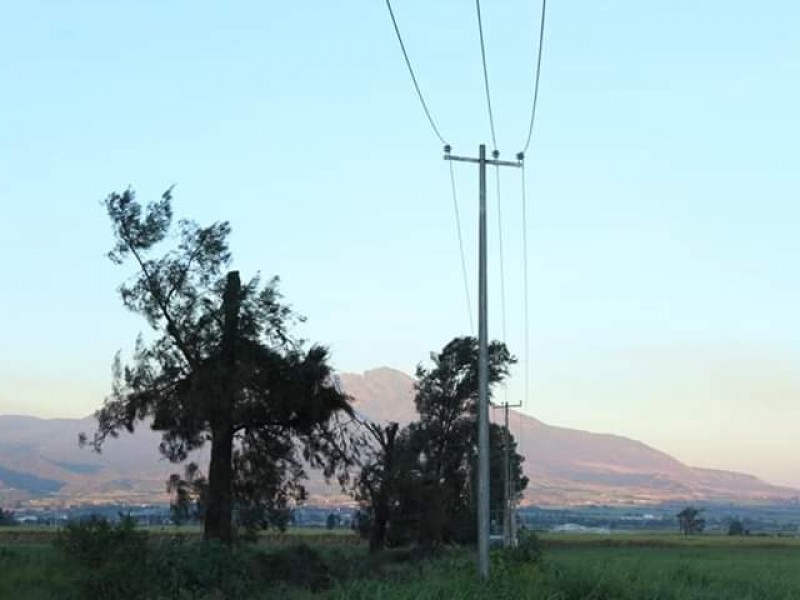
point(178, 568)
point(529, 547)
point(115, 561)
point(527, 551)
point(96, 542)
point(297, 565)
point(113, 557)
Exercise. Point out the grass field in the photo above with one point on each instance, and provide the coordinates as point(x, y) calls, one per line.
point(640, 567)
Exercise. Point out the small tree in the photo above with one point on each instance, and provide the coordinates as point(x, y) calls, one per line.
point(690, 522)
point(736, 527)
point(7, 518)
point(332, 522)
point(187, 495)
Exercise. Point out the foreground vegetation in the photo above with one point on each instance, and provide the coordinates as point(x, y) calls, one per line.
point(571, 568)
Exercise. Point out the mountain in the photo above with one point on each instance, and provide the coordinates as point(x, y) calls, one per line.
point(40, 458)
point(569, 466)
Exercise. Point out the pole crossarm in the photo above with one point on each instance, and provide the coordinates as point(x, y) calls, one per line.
point(486, 161)
point(504, 404)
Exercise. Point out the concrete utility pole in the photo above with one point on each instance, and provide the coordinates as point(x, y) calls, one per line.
point(509, 516)
point(483, 354)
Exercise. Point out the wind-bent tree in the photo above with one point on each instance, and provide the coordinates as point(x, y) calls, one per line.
point(222, 368)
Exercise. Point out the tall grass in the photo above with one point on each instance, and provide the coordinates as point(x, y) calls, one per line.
point(34, 572)
point(583, 569)
point(603, 573)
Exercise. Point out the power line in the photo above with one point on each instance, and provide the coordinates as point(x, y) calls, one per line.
point(526, 321)
point(486, 74)
point(538, 71)
point(413, 77)
point(461, 248)
point(500, 252)
point(496, 155)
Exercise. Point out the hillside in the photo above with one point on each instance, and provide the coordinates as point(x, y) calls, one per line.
point(41, 458)
point(568, 466)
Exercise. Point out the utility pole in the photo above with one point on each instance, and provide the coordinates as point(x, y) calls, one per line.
point(483, 354)
point(509, 516)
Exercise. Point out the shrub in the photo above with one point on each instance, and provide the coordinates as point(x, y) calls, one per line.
point(528, 551)
point(297, 565)
point(96, 542)
point(178, 568)
point(113, 556)
point(115, 561)
point(528, 548)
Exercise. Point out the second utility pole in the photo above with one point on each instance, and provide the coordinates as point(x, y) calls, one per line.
point(483, 355)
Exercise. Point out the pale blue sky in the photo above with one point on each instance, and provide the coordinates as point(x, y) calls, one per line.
point(663, 186)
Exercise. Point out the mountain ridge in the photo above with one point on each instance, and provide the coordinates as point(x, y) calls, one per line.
point(40, 458)
point(574, 466)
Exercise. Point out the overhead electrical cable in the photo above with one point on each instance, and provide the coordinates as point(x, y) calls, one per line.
point(486, 75)
point(414, 77)
point(521, 157)
point(538, 72)
point(439, 135)
point(526, 320)
point(461, 247)
point(502, 263)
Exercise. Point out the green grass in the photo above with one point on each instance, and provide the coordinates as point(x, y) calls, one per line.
point(642, 567)
point(34, 572)
point(726, 571)
point(645, 567)
point(654, 540)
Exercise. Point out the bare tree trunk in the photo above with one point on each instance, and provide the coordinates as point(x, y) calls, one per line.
point(219, 509)
point(380, 513)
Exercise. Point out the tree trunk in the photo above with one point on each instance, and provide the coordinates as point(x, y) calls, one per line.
point(380, 515)
point(381, 509)
point(219, 508)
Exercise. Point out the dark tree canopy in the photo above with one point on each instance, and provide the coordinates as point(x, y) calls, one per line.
point(222, 368)
point(419, 485)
